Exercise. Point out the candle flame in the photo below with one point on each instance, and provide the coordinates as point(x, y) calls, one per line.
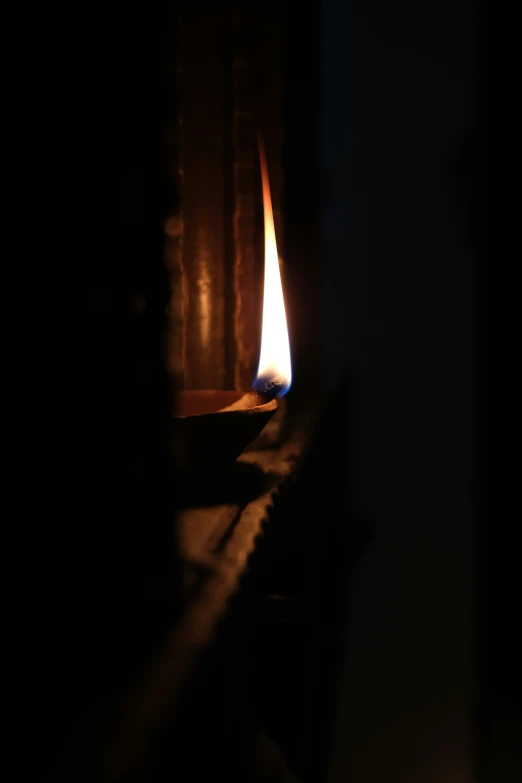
point(275, 366)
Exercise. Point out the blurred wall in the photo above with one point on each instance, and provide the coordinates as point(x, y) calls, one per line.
point(398, 146)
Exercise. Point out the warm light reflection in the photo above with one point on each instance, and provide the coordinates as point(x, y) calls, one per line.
point(204, 286)
point(275, 367)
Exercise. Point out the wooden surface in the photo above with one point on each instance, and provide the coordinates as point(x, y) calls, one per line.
point(215, 544)
point(222, 535)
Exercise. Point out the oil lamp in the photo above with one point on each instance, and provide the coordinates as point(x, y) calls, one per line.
point(212, 428)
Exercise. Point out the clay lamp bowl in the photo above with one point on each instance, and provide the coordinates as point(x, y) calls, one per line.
point(211, 429)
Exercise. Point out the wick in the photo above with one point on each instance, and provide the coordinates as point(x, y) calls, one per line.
point(268, 388)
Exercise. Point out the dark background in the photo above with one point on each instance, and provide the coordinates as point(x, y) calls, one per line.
point(402, 164)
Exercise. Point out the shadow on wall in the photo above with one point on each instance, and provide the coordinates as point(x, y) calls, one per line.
point(400, 231)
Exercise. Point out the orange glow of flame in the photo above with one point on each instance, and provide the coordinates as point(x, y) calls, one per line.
point(275, 366)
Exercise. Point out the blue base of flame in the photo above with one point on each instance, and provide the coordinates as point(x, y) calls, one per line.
point(272, 387)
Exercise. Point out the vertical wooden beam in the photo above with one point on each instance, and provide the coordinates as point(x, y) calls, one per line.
point(247, 198)
point(202, 51)
point(173, 226)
